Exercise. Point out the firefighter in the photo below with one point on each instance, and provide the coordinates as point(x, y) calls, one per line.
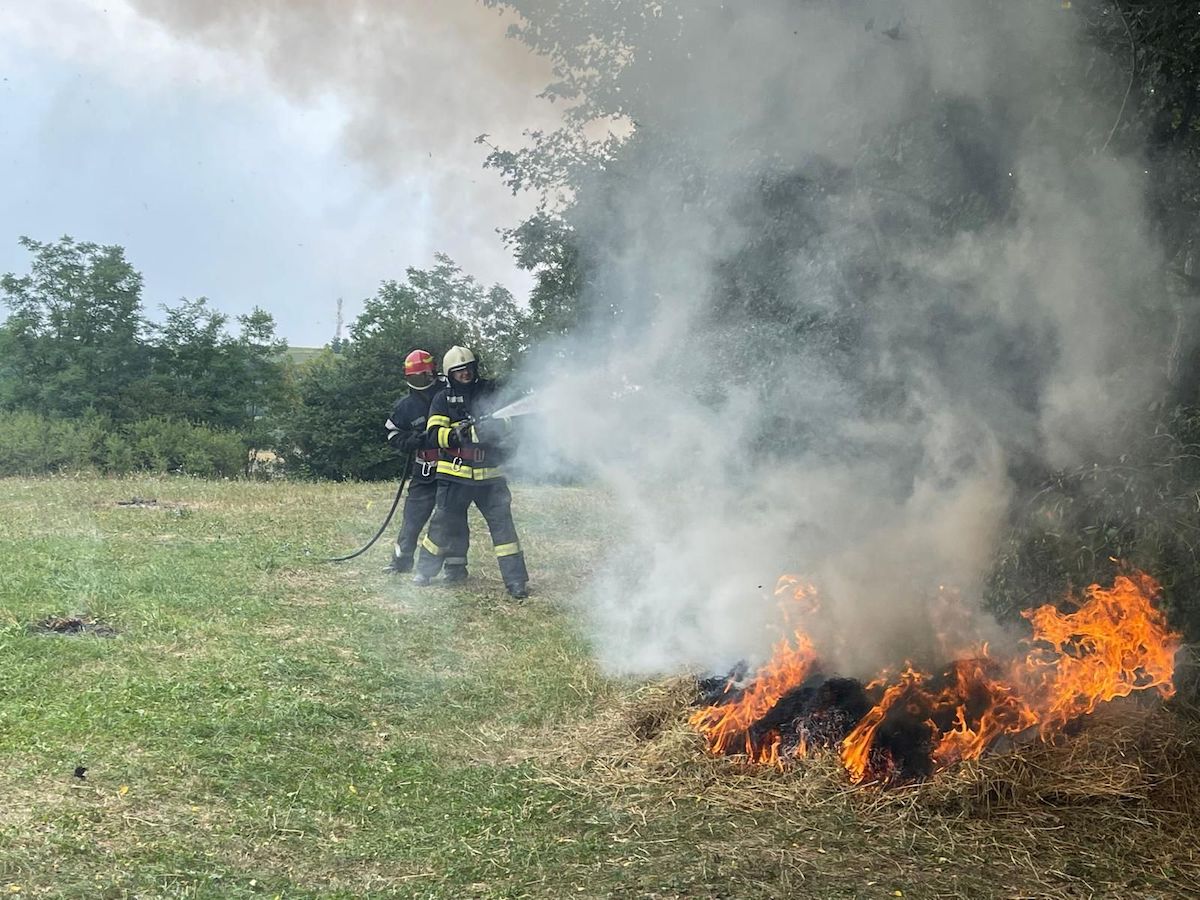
point(408, 434)
point(468, 471)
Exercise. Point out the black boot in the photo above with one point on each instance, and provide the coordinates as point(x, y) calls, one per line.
point(399, 565)
point(518, 590)
point(455, 574)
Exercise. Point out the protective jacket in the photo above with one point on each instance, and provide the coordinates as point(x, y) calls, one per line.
point(468, 453)
point(408, 430)
point(468, 471)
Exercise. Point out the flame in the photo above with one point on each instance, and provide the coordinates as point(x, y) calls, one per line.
point(724, 724)
point(856, 748)
point(981, 707)
point(1114, 643)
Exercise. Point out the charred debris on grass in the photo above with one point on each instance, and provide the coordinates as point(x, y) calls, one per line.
point(74, 626)
point(173, 507)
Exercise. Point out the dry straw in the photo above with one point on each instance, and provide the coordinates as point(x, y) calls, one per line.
point(1125, 782)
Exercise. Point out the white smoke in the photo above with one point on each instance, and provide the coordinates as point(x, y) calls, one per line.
point(860, 432)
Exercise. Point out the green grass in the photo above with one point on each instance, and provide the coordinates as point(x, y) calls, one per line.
point(300, 355)
point(267, 725)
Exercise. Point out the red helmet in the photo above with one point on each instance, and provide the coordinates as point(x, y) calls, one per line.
point(419, 370)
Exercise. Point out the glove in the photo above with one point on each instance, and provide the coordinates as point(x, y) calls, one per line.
point(405, 441)
point(460, 433)
point(492, 430)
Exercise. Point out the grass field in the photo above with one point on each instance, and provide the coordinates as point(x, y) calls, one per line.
point(261, 724)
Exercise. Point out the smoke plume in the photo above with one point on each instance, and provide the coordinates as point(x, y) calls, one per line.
point(856, 265)
point(417, 83)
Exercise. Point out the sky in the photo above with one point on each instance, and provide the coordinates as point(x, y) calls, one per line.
point(225, 176)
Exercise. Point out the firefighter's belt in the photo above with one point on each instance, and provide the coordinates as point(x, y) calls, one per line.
point(467, 473)
point(468, 454)
point(428, 455)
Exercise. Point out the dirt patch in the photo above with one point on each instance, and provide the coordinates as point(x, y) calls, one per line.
point(139, 502)
point(73, 626)
point(154, 503)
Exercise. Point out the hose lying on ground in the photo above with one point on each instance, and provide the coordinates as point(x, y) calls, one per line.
point(391, 512)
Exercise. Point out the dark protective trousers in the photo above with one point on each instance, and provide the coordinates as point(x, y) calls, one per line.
point(418, 505)
point(448, 537)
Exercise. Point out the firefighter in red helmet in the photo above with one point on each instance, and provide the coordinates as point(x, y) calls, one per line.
point(408, 434)
point(468, 471)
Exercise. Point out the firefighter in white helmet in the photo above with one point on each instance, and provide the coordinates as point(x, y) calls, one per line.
point(468, 471)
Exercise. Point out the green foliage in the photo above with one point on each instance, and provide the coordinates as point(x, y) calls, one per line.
point(75, 344)
point(546, 245)
point(73, 340)
point(435, 309)
point(204, 374)
point(31, 444)
point(335, 430)
point(173, 445)
point(75, 347)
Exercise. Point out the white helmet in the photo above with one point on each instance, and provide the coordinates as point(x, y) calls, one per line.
point(457, 357)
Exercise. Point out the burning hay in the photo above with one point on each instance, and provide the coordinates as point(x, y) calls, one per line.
point(1111, 809)
point(1108, 802)
point(1117, 797)
point(982, 722)
point(904, 727)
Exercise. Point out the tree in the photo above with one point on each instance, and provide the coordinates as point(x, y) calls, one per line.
point(202, 373)
point(265, 386)
point(75, 344)
point(74, 338)
point(546, 245)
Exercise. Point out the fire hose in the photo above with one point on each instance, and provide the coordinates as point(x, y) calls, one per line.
point(382, 528)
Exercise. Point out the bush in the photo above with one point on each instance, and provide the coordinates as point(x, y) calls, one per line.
point(32, 445)
point(170, 445)
point(36, 445)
